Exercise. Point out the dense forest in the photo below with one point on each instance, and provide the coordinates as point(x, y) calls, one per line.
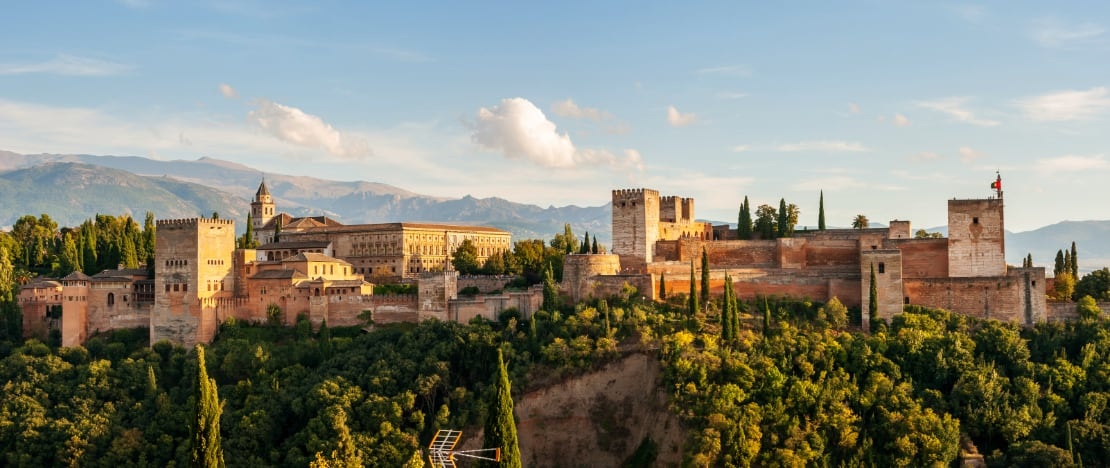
point(771, 382)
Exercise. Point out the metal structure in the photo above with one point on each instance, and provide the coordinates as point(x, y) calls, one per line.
point(442, 453)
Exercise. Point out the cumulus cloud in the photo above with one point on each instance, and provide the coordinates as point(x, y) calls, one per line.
point(1066, 105)
point(900, 120)
point(1072, 163)
point(955, 108)
point(228, 91)
point(825, 145)
point(520, 130)
point(679, 119)
point(969, 155)
point(1053, 33)
point(569, 108)
point(292, 125)
point(68, 65)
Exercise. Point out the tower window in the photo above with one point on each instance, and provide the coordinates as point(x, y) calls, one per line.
point(882, 267)
point(975, 220)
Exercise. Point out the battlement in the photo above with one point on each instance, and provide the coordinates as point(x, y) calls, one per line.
point(634, 194)
point(192, 221)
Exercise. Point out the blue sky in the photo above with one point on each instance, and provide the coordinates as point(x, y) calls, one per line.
point(889, 107)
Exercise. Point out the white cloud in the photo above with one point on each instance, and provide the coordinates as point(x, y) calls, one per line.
point(954, 107)
point(679, 119)
point(293, 125)
point(228, 91)
point(853, 108)
point(825, 146)
point(67, 65)
point(1066, 105)
point(1072, 163)
point(969, 155)
point(1053, 33)
point(832, 183)
point(925, 156)
point(741, 148)
point(569, 108)
point(900, 120)
point(520, 130)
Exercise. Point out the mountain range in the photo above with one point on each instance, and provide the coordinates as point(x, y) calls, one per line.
point(72, 188)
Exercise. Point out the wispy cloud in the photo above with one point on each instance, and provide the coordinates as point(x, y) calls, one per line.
point(835, 182)
point(520, 130)
point(228, 91)
point(568, 108)
point(679, 119)
point(900, 120)
point(730, 95)
point(1072, 163)
point(956, 108)
point(741, 148)
point(292, 125)
point(969, 155)
point(1054, 33)
point(727, 70)
point(1066, 105)
point(68, 65)
point(925, 156)
point(823, 146)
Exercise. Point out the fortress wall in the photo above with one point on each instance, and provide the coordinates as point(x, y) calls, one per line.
point(666, 251)
point(613, 285)
point(832, 252)
point(485, 283)
point(491, 306)
point(999, 298)
point(725, 254)
point(395, 308)
point(922, 258)
point(847, 290)
point(887, 264)
point(579, 271)
point(791, 253)
point(748, 283)
point(976, 243)
point(843, 234)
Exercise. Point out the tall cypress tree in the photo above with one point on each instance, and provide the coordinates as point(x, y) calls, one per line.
point(821, 212)
point(205, 426)
point(704, 277)
point(766, 316)
point(784, 219)
point(585, 244)
point(744, 228)
point(1059, 266)
point(550, 290)
point(692, 301)
point(663, 286)
point(595, 249)
point(500, 421)
point(727, 332)
point(873, 296)
point(1067, 262)
point(1074, 262)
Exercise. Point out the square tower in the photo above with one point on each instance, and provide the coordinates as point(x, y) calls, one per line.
point(888, 283)
point(976, 238)
point(194, 274)
point(635, 226)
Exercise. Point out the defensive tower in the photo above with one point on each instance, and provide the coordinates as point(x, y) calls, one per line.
point(635, 226)
point(976, 238)
point(194, 278)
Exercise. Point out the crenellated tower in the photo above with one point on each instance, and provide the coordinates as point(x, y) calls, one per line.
point(194, 279)
point(635, 226)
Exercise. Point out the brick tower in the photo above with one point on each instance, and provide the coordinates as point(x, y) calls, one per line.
point(194, 279)
point(976, 238)
point(635, 226)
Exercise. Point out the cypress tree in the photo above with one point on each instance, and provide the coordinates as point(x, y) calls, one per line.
point(595, 249)
point(500, 428)
point(550, 290)
point(784, 219)
point(585, 244)
point(692, 301)
point(704, 277)
point(821, 212)
point(1067, 262)
point(324, 338)
point(206, 452)
point(568, 237)
point(766, 317)
point(663, 286)
point(744, 228)
point(727, 333)
point(1074, 262)
point(149, 235)
point(1059, 266)
point(873, 296)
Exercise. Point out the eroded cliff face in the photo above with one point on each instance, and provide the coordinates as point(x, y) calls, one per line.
point(598, 419)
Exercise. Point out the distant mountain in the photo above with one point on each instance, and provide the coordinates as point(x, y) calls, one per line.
point(1092, 244)
point(349, 202)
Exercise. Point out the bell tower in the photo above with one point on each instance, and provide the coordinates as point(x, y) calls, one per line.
point(262, 208)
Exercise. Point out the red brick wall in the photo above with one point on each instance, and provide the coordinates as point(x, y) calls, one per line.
point(922, 258)
point(828, 253)
point(999, 298)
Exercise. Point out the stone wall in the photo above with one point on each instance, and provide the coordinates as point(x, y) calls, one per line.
point(1011, 298)
point(194, 266)
point(922, 258)
point(484, 283)
point(490, 306)
point(976, 242)
point(579, 271)
point(887, 264)
point(635, 226)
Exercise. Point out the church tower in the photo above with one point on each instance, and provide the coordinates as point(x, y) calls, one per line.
point(262, 208)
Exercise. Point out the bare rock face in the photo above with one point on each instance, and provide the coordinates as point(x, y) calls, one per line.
point(599, 419)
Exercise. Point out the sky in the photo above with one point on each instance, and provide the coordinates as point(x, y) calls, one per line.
point(890, 108)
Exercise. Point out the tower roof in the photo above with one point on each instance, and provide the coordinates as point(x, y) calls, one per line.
point(262, 190)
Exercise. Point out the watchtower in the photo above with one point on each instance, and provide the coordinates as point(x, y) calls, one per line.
point(976, 238)
point(194, 277)
point(635, 226)
point(262, 209)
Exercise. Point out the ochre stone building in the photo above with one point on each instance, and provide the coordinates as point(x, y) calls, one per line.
point(656, 237)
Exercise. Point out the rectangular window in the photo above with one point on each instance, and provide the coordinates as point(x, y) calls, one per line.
point(975, 220)
point(882, 267)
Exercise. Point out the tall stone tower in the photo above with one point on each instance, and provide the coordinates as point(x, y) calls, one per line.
point(976, 238)
point(262, 209)
point(194, 279)
point(635, 226)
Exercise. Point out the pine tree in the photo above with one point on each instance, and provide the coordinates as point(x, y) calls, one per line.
point(1074, 262)
point(692, 301)
point(206, 423)
point(663, 286)
point(500, 430)
point(744, 228)
point(821, 212)
point(704, 277)
point(873, 296)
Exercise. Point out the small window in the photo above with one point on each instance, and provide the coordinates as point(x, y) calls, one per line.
point(111, 299)
point(882, 267)
point(975, 220)
point(1034, 283)
point(906, 300)
point(874, 247)
point(175, 288)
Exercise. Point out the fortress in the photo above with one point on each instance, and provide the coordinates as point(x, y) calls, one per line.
point(316, 267)
point(657, 237)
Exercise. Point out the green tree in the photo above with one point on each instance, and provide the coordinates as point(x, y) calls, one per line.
point(704, 277)
point(1074, 261)
point(1095, 284)
point(835, 313)
point(923, 234)
point(765, 217)
point(550, 290)
point(663, 286)
point(565, 241)
point(346, 454)
point(1088, 309)
point(149, 236)
point(465, 258)
point(205, 427)
point(860, 222)
point(1067, 262)
point(744, 221)
point(1063, 286)
point(692, 301)
point(1059, 265)
point(500, 429)
point(585, 244)
point(782, 224)
point(248, 241)
point(821, 212)
point(595, 248)
point(873, 296)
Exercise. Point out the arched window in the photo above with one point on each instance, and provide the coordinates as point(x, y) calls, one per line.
point(111, 299)
point(317, 291)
